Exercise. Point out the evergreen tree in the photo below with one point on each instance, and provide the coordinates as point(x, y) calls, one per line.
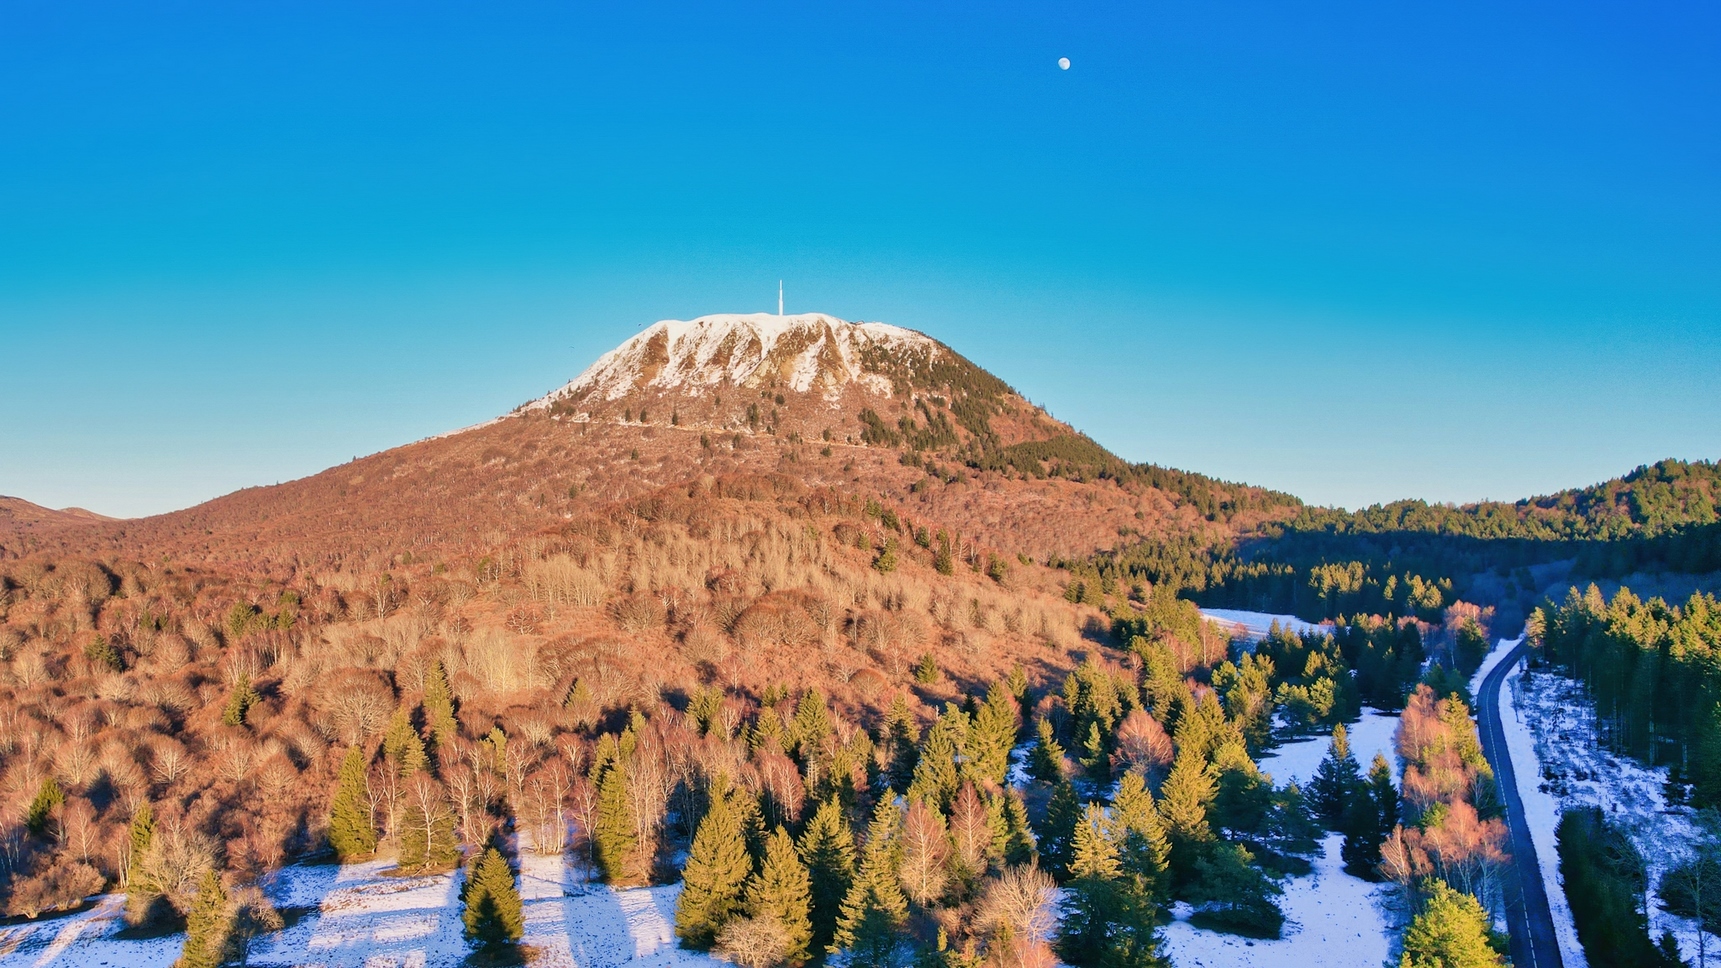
point(1183, 802)
point(902, 739)
point(1335, 782)
point(1096, 757)
point(717, 866)
point(239, 702)
point(827, 847)
point(352, 834)
point(875, 910)
point(993, 734)
point(1143, 849)
point(49, 797)
point(439, 706)
point(142, 837)
point(1237, 895)
point(1046, 758)
point(936, 778)
point(208, 926)
point(1451, 932)
point(782, 891)
point(492, 915)
point(1058, 830)
point(1017, 843)
point(402, 745)
point(1106, 922)
point(1370, 819)
point(811, 725)
point(614, 834)
point(427, 839)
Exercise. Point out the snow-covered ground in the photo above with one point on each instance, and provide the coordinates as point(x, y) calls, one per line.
point(1298, 760)
point(1255, 625)
point(1332, 919)
point(1493, 659)
point(1551, 730)
point(363, 916)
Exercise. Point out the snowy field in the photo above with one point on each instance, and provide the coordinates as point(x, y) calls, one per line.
point(361, 916)
point(1333, 920)
point(1551, 730)
point(1255, 625)
point(1298, 760)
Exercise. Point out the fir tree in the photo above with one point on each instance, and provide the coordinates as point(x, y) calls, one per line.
point(142, 837)
point(1237, 895)
point(902, 739)
point(717, 866)
point(49, 797)
point(1183, 802)
point(782, 890)
point(1106, 922)
point(875, 910)
point(492, 915)
point(993, 735)
point(1143, 849)
point(439, 706)
point(402, 745)
point(1372, 815)
point(614, 834)
point(427, 840)
point(1046, 759)
point(811, 725)
point(1096, 758)
point(239, 702)
point(1058, 829)
point(208, 926)
point(827, 847)
point(935, 775)
point(1336, 781)
point(1451, 932)
point(351, 832)
point(1018, 841)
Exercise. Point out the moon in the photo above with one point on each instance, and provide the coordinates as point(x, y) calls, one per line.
point(1063, 63)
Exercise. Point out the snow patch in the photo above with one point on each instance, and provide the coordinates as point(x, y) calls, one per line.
point(1333, 920)
point(1244, 624)
point(1299, 760)
point(806, 352)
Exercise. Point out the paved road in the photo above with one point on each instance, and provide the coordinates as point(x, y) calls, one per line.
point(1528, 919)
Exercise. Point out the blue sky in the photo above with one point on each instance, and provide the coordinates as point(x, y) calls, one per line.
point(1351, 250)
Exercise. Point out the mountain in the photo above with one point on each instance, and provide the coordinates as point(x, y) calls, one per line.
point(864, 407)
point(18, 516)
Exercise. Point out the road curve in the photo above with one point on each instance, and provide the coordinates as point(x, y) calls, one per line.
point(1528, 920)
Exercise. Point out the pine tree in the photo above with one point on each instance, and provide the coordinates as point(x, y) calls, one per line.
point(1183, 802)
point(811, 725)
point(1096, 758)
point(902, 738)
point(993, 735)
point(49, 797)
point(614, 834)
point(1451, 932)
point(427, 839)
point(208, 926)
point(1058, 829)
point(717, 866)
point(1046, 758)
point(1107, 922)
point(492, 915)
point(1017, 846)
point(782, 890)
point(142, 837)
point(935, 775)
point(239, 702)
point(351, 832)
point(875, 910)
point(439, 706)
point(402, 745)
point(1372, 815)
point(1236, 892)
point(1336, 780)
point(1143, 849)
point(827, 847)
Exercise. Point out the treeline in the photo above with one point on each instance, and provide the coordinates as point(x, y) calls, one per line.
point(1654, 671)
point(1605, 883)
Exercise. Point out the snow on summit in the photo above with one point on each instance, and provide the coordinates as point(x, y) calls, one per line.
point(806, 352)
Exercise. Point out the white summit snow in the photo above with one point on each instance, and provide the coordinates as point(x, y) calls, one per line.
point(804, 352)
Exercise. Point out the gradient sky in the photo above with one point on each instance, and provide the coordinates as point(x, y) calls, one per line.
point(1357, 251)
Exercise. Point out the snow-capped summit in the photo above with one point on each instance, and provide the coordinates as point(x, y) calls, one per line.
point(806, 352)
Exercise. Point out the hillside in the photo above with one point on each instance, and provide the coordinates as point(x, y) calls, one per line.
point(866, 407)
